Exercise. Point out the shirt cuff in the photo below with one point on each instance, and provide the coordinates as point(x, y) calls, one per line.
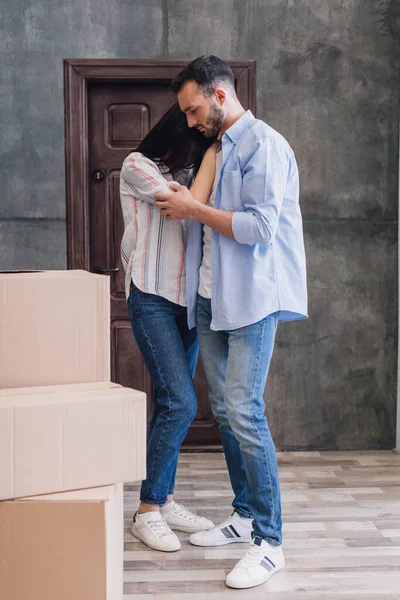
point(243, 227)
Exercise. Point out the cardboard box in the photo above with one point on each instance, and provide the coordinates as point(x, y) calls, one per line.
point(54, 328)
point(68, 440)
point(63, 546)
point(65, 387)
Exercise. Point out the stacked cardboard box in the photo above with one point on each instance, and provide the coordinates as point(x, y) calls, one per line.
point(54, 328)
point(64, 546)
point(63, 426)
point(58, 440)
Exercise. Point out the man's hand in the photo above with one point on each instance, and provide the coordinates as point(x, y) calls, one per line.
point(178, 204)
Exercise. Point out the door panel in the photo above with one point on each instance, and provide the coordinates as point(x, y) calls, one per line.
point(128, 367)
point(126, 125)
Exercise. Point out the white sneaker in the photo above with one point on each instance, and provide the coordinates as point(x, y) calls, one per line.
point(152, 530)
point(235, 529)
point(259, 563)
point(181, 519)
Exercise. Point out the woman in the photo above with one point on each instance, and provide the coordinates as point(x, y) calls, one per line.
point(153, 255)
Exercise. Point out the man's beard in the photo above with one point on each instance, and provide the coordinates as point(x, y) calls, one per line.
point(214, 122)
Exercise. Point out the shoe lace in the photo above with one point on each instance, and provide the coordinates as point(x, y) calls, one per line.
point(159, 527)
point(252, 556)
point(183, 512)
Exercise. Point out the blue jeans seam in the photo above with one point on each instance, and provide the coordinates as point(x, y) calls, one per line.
point(204, 314)
point(255, 371)
point(149, 478)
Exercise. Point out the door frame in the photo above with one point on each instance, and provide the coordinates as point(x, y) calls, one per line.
point(77, 74)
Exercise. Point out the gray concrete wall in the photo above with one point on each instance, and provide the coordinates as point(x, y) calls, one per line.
point(327, 79)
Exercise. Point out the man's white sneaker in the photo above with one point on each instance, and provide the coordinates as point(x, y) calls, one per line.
point(261, 561)
point(181, 519)
point(235, 529)
point(152, 530)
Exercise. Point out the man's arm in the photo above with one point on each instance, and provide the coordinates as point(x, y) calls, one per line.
point(220, 220)
point(263, 187)
point(265, 176)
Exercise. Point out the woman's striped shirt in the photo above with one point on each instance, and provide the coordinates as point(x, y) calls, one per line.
point(152, 248)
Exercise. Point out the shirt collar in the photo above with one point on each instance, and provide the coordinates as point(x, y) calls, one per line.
point(236, 130)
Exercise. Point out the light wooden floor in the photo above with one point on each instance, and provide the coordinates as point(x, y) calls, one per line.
point(341, 513)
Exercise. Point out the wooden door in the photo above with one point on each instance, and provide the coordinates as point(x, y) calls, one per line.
point(119, 113)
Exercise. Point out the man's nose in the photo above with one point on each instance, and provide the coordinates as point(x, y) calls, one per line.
point(191, 120)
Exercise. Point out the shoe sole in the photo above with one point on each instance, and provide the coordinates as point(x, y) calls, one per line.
point(221, 543)
point(152, 546)
point(240, 585)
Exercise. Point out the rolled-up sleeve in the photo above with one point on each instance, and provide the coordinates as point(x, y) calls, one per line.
point(143, 178)
point(264, 181)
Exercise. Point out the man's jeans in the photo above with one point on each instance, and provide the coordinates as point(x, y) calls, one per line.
point(236, 364)
point(170, 352)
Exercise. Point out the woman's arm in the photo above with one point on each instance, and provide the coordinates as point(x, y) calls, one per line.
point(142, 177)
point(203, 183)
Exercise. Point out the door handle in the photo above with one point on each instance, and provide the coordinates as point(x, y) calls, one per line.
point(104, 271)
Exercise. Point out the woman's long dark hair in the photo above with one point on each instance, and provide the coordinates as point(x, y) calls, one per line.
point(173, 144)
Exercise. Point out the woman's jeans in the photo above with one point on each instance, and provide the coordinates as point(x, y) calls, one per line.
point(236, 364)
point(170, 352)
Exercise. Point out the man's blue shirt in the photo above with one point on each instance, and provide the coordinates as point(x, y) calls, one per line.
point(263, 269)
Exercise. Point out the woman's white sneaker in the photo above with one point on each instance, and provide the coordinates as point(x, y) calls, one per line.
point(233, 530)
point(152, 529)
point(260, 562)
point(181, 519)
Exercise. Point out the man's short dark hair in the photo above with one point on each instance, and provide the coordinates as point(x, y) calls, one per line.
point(208, 72)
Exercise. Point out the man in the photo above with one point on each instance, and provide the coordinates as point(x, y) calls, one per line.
point(246, 274)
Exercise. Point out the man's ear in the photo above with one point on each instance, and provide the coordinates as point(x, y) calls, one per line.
point(220, 96)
